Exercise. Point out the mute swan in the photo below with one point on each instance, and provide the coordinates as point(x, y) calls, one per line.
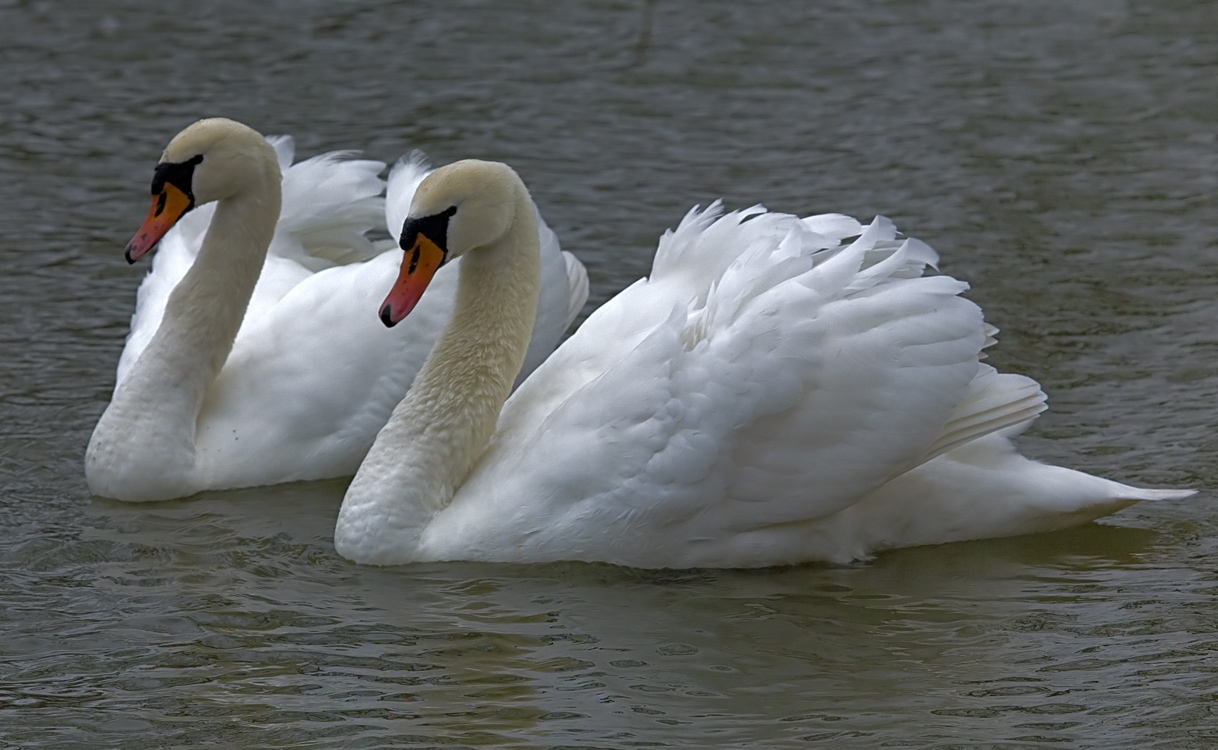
point(774, 393)
point(247, 367)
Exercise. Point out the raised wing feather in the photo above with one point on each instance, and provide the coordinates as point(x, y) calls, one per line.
point(766, 374)
point(325, 369)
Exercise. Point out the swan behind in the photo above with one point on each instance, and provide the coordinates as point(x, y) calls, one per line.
point(144, 443)
point(255, 355)
point(779, 390)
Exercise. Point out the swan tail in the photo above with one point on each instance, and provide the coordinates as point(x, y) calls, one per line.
point(983, 490)
point(1096, 498)
point(1132, 495)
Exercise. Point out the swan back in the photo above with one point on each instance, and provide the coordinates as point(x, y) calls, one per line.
point(767, 374)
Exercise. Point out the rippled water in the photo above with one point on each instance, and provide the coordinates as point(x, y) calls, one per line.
point(1060, 156)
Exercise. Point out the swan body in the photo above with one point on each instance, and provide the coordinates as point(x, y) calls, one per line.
point(779, 390)
point(255, 356)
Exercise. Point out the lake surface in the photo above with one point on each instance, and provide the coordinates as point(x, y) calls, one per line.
point(1060, 156)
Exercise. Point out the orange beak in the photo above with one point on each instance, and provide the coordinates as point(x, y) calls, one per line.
point(419, 265)
point(167, 208)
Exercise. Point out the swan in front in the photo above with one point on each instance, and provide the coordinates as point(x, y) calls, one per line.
point(779, 390)
point(255, 355)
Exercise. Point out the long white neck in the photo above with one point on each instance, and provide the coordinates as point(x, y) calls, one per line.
point(143, 446)
point(441, 429)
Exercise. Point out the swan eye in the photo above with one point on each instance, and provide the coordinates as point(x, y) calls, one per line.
point(178, 174)
point(433, 227)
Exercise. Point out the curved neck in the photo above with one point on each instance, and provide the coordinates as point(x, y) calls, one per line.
point(440, 430)
point(205, 310)
point(158, 403)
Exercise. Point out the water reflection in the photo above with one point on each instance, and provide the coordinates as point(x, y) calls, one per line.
point(261, 620)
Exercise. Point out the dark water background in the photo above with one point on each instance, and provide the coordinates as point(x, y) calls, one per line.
point(1060, 156)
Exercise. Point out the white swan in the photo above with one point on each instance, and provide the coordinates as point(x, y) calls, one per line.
point(247, 367)
point(774, 393)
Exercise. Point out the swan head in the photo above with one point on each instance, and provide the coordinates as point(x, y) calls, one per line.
point(211, 160)
point(457, 208)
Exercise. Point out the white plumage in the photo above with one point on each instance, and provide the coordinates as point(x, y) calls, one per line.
point(778, 390)
point(312, 374)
